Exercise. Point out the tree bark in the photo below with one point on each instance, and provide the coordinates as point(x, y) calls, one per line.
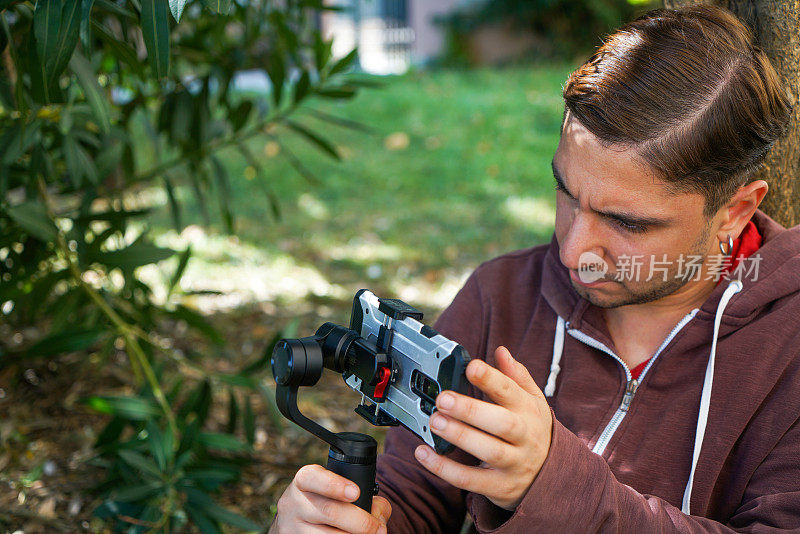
point(776, 27)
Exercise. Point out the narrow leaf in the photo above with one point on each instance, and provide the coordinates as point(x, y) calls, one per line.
point(139, 462)
point(176, 7)
point(315, 139)
point(249, 422)
point(86, 28)
point(71, 340)
point(182, 262)
point(224, 193)
point(92, 91)
point(32, 217)
point(120, 49)
point(59, 52)
point(155, 30)
point(344, 63)
point(137, 254)
point(223, 442)
point(301, 88)
point(218, 6)
point(133, 408)
point(233, 412)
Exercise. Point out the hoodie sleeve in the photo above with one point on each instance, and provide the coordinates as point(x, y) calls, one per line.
point(576, 491)
point(422, 502)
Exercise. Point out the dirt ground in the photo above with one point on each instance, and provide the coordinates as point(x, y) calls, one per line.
point(46, 433)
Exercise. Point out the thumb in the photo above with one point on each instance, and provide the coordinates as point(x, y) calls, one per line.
point(381, 508)
point(516, 371)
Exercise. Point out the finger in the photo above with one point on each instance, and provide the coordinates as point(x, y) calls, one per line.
point(516, 371)
point(497, 386)
point(485, 447)
point(474, 479)
point(492, 418)
point(316, 479)
point(312, 528)
point(381, 508)
point(344, 516)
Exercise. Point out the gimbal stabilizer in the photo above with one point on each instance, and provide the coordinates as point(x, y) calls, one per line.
point(299, 362)
point(389, 357)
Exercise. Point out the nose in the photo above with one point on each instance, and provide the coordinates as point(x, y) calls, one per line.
point(582, 236)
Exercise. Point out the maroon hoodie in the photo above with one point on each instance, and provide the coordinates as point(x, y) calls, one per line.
point(622, 452)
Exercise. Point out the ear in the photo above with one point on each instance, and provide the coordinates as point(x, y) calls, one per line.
point(740, 209)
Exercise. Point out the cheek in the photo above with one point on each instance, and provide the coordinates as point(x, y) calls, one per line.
point(564, 216)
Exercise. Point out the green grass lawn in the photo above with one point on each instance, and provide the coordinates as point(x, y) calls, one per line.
point(455, 171)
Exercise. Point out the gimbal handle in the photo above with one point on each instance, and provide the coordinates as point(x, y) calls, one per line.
point(352, 455)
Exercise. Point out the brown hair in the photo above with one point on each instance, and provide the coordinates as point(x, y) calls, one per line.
point(691, 92)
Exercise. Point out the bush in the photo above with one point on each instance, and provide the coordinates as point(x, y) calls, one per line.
point(76, 97)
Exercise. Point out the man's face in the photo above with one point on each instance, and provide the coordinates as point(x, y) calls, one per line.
point(613, 210)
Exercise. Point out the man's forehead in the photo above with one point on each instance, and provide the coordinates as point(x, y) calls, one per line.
point(614, 179)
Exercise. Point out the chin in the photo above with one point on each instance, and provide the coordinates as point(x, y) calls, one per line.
point(623, 295)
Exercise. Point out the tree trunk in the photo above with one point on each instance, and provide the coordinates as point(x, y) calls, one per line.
point(776, 27)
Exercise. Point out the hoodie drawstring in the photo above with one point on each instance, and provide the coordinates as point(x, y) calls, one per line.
point(705, 398)
point(555, 368)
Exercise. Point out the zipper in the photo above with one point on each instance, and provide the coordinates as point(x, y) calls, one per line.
point(632, 385)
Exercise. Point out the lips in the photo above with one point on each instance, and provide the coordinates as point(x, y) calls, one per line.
point(575, 278)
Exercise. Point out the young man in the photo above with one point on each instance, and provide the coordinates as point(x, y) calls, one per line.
point(652, 388)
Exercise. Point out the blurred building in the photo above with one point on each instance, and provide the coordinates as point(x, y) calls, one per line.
point(391, 35)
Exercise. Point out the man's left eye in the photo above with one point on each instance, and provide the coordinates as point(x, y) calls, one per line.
point(628, 227)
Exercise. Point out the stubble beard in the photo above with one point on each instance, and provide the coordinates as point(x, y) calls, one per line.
point(655, 289)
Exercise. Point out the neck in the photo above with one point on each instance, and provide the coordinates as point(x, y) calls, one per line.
point(637, 330)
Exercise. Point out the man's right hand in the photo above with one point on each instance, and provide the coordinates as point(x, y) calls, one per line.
point(319, 500)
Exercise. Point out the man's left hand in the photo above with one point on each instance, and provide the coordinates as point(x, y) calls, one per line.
point(511, 437)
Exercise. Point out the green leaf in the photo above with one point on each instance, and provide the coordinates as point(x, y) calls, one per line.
point(133, 408)
point(32, 217)
point(71, 340)
point(218, 6)
point(182, 262)
point(249, 422)
point(79, 163)
point(233, 412)
point(213, 477)
point(344, 63)
point(140, 462)
point(239, 115)
point(112, 7)
point(138, 492)
point(155, 30)
point(202, 521)
point(315, 139)
point(56, 25)
point(136, 255)
point(301, 88)
point(197, 498)
point(17, 139)
point(92, 91)
point(176, 7)
point(339, 93)
point(155, 440)
point(174, 207)
point(120, 49)
point(224, 193)
point(223, 442)
point(322, 51)
point(86, 28)
point(276, 70)
point(197, 321)
point(226, 516)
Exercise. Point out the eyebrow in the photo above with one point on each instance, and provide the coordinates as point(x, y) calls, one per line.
point(627, 218)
